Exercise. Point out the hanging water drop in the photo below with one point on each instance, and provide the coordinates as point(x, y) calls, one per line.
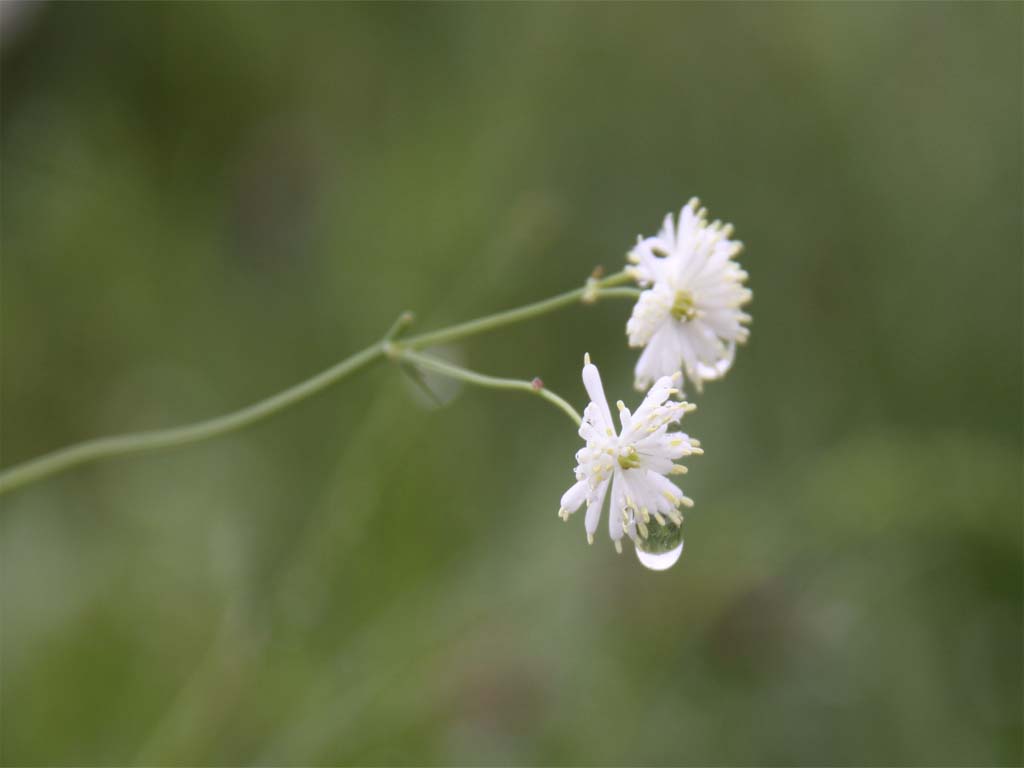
point(659, 562)
point(662, 547)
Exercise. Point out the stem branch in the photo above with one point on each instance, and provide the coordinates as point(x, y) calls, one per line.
point(444, 368)
point(138, 442)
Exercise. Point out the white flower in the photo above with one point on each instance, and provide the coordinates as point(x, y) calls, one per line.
point(633, 462)
point(689, 318)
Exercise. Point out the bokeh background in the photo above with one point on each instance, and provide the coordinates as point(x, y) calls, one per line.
point(205, 203)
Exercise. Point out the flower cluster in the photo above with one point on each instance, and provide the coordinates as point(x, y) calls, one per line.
point(689, 317)
point(688, 320)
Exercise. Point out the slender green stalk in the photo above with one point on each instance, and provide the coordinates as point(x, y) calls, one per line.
point(589, 293)
point(402, 322)
point(619, 293)
point(534, 387)
point(138, 442)
point(90, 450)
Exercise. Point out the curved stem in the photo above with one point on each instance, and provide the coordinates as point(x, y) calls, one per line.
point(444, 368)
point(65, 458)
point(91, 450)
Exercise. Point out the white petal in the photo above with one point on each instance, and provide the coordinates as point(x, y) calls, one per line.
point(595, 390)
point(664, 485)
point(668, 231)
point(594, 508)
point(718, 369)
point(615, 509)
point(661, 357)
point(650, 313)
point(625, 419)
point(575, 496)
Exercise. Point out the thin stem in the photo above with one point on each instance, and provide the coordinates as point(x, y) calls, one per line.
point(619, 293)
point(402, 322)
point(591, 292)
point(65, 458)
point(534, 387)
point(138, 442)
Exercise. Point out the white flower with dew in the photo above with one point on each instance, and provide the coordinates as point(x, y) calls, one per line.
point(631, 463)
point(689, 317)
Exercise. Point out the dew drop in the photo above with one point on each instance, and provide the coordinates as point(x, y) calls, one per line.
point(660, 561)
point(718, 369)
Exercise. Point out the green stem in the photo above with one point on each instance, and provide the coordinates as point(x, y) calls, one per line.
point(481, 380)
point(589, 293)
point(138, 442)
point(90, 450)
point(619, 293)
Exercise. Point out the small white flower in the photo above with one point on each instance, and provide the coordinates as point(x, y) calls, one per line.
point(633, 462)
point(689, 318)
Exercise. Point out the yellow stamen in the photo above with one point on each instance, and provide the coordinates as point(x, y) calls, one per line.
point(682, 307)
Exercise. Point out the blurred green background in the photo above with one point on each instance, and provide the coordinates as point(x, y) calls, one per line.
point(203, 204)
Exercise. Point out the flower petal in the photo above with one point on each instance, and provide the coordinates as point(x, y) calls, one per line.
point(595, 390)
point(575, 496)
point(594, 508)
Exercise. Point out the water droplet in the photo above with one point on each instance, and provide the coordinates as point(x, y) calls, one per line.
point(660, 561)
point(721, 367)
point(661, 548)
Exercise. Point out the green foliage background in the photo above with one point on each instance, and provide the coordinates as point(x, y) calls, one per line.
point(204, 203)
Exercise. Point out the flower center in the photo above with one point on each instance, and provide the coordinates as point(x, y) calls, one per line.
point(629, 459)
point(682, 306)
